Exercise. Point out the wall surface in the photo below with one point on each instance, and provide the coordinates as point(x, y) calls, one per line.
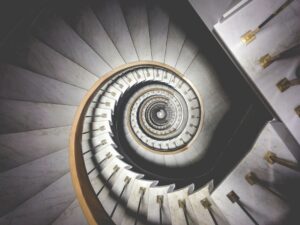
point(211, 10)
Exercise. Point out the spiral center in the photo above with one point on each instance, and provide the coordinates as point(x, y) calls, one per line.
point(161, 114)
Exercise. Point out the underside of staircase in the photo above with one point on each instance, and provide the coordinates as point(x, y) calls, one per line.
point(71, 75)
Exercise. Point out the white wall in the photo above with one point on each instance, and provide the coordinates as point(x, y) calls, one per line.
point(211, 10)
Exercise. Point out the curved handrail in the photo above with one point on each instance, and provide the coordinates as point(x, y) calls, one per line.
point(91, 206)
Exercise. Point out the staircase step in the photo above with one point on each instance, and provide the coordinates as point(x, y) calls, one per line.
point(95, 126)
point(85, 23)
point(154, 215)
point(111, 17)
point(135, 13)
point(202, 214)
point(44, 207)
point(97, 142)
point(19, 184)
point(20, 84)
point(40, 58)
point(57, 34)
point(71, 216)
point(158, 29)
point(176, 212)
point(98, 115)
point(258, 201)
point(117, 188)
point(187, 55)
point(99, 129)
point(20, 148)
point(135, 202)
point(35, 116)
point(176, 38)
point(103, 153)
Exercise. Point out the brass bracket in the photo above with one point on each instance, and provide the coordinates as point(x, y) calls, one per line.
point(266, 60)
point(297, 110)
point(206, 203)
point(116, 168)
point(251, 178)
point(181, 204)
point(142, 190)
point(103, 142)
point(160, 199)
point(127, 180)
point(233, 197)
point(268, 157)
point(108, 155)
point(283, 84)
point(249, 36)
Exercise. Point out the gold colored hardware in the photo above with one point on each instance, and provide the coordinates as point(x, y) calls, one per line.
point(297, 110)
point(272, 158)
point(103, 142)
point(249, 36)
point(103, 115)
point(108, 155)
point(251, 178)
point(142, 190)
point(80, 179)
point(127, 179)
point(160, 199)
point(206, 203)
point(283, 84)
point(269, 157)
point(181, 204)
point(233, 197)
point(116, 168)
point(266, 60)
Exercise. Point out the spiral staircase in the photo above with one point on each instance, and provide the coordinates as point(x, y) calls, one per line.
point(129, 112)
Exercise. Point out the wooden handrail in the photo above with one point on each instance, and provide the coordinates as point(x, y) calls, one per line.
point(92, 208)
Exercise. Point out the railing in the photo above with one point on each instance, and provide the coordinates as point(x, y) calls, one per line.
point(250, 35)
point(272, 158)
point(207, 205)
point(91, 206)
point(234, 198)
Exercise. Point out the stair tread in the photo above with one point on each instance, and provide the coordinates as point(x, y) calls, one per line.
point(111, 17)
point(57, 34)
point(28, 179)
point(39, 210)
point(176, 38)
point(23, 147)
point(153, 216)
point(135, 13)
point(42, 59)
point(36, 88)
point(35, 116)
point(158, 30)
point(71, 216)
point(86, 24)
